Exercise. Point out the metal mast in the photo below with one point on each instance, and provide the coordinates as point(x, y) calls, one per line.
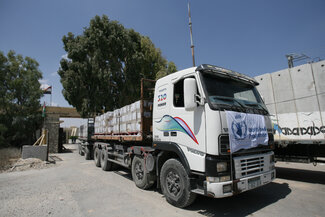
point(190, 25)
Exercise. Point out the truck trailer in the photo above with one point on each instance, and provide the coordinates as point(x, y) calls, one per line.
point(203, 130)
point(295, 98)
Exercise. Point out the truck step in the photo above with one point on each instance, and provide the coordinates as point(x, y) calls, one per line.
point(198, 191)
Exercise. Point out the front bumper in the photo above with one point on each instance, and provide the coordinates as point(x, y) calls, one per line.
point(226, 189)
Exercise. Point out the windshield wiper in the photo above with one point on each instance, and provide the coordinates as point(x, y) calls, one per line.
point(230, 99)
point(258, 105)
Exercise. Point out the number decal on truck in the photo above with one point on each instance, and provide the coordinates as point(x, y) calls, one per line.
point(162, 97)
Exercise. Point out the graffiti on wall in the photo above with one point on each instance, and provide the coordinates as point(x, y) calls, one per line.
point(297, 131)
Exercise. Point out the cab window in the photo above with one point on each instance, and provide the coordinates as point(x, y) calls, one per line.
point(179, 93)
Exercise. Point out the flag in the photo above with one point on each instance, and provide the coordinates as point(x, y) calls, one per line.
point(48, 90)
point(43, 110)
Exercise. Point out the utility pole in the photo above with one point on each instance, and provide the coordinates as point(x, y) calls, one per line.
point(190, 25)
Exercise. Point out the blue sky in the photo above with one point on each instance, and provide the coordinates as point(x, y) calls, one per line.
point(250, 36)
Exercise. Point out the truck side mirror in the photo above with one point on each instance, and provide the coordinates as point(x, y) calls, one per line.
point(190, 92)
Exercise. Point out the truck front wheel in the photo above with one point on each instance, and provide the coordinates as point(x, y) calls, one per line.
point(141, 178)
point(175, 184)
point(97, 156)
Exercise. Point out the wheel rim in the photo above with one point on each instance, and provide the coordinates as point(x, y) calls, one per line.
point(173, 183)
point(139, 171)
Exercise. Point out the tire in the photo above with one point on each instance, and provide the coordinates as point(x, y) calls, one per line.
point(80, 150)
point(141, 178)
point(97, 156)
point(175, 184)
point(105, 164)
point(87, 153)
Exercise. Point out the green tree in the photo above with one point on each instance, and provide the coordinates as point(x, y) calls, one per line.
point(105, 66)
point(164, 72)
point(20, 99)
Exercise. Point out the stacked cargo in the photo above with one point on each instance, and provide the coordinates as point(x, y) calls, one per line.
point(124, 113)
point(108, 119)
point(116, 121)
point(134, 124)
point(83, 131)
point(123, 121)
point(103, 123)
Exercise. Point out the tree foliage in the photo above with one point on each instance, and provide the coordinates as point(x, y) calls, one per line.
point(105, 66)
point(20, 99)
point(163, 72)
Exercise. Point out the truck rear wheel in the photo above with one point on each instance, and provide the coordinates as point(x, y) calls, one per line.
point(105, 164)
point(80, 150)
point(140, 177)
point(87, 153)
point(97, 156)
point(175, 184)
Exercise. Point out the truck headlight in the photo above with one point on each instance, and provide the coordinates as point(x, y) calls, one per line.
point(221, 167)
point(218, 179)
point(272, 158)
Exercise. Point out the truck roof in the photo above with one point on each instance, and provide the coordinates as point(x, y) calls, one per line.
point(226, 73)
point(216, 70)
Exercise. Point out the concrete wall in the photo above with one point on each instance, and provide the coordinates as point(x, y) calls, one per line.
point(39, 152)
point(296, 99)
point(52, 124)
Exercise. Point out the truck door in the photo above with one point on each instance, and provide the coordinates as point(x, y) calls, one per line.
point(189, 127)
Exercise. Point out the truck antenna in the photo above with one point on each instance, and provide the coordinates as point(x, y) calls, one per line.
point(190, 25)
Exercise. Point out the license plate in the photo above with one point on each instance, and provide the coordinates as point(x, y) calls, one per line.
point(254, 182)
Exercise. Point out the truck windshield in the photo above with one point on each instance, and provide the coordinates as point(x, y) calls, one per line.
point(228, 93)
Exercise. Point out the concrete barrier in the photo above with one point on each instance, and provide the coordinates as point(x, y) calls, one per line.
point(39, 152)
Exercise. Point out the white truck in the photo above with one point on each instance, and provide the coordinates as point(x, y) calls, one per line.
point(205, 130)
point(295, 98)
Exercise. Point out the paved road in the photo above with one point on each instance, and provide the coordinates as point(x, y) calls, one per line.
point(77, 188)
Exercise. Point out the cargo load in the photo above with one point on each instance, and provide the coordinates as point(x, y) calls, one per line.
point(126, 121)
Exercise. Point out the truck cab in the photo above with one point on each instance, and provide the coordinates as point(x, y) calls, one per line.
point(216, 121)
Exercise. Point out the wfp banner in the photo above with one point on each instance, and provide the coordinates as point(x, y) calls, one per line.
point(246, 130)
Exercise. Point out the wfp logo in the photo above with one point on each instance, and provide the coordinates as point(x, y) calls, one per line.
point(239, 129)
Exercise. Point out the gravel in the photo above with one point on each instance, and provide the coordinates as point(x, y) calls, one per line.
point(29, 163)
point(76, 187)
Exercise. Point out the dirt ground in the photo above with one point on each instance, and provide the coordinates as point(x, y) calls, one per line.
point(10, 161)
point(29, 163)
point(75, 187)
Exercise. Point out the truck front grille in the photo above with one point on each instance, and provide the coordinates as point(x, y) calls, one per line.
point(250, 165)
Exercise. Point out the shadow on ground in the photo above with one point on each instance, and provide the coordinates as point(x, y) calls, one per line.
point(243, 204)
point(53, 159)
point(240, 205)
point(67, 149)
point(123, 172)
point(316, 177)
